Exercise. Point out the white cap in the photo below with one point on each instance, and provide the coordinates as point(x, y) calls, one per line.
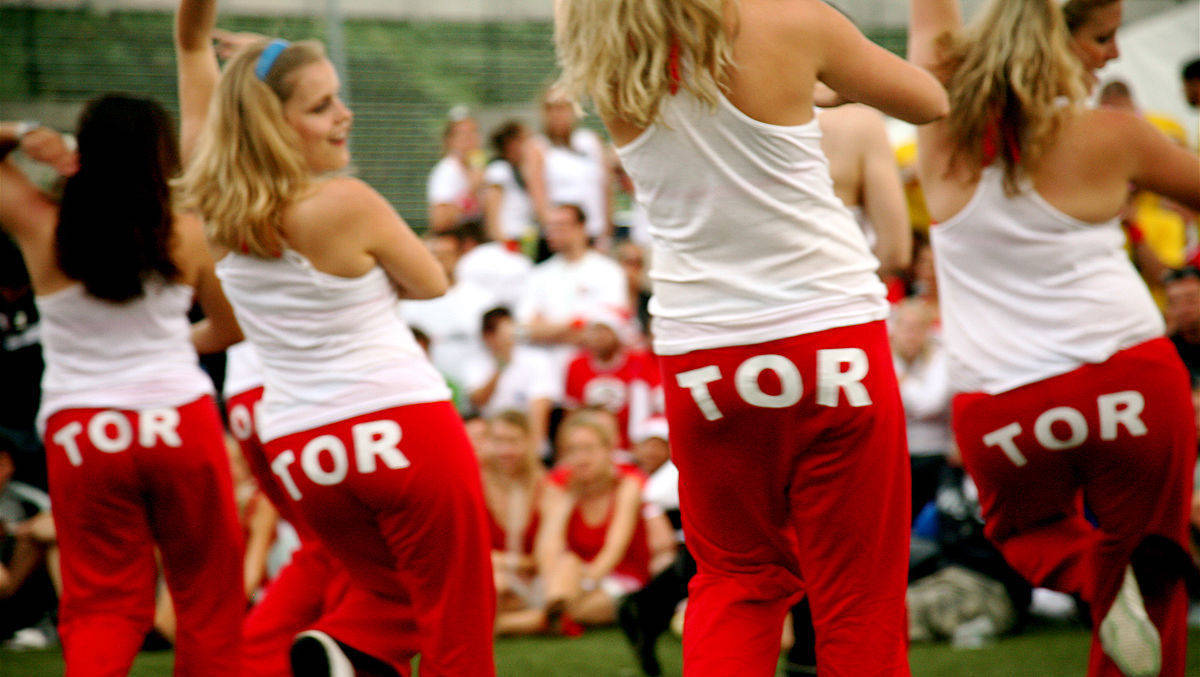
point(654, 427)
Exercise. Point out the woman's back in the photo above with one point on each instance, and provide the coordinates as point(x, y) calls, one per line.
point(764, 249)
point(331, 346)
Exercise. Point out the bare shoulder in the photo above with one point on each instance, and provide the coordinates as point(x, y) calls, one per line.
point(338, 203)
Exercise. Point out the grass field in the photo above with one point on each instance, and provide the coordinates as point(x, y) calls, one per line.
point(1045, 652)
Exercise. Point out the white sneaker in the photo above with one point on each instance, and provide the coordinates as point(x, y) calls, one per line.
point(1128, 636)
point(316, 654)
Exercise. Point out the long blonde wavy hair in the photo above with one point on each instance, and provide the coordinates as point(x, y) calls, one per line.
point(619, 52)
point(1077, 12)
point(247, 165)
point(1013, 80)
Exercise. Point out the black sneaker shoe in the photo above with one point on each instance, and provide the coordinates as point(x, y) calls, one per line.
point(316, 654)
point(629, 618)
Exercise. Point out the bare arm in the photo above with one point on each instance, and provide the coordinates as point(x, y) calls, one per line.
point(883, 199)
point(620, 530)
point(533, 170)
point(660, 536)
point(219, 328)
point(196, 61)
point(25, 212)
point(860, 70)
point(493, 195)
point(384, 236)
point(555, 507)
point(1161, 166)
point(258, 543)
point(929, 21)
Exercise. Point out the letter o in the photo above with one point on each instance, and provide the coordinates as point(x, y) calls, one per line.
point(746, 381)
point(1043, 431)
point(310, 460)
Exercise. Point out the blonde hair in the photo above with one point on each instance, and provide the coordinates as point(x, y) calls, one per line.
point(247, 165)
point(1011, 71)
point(590, 420)
point(620, 52)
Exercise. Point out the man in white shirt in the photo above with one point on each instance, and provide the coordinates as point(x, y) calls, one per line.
point(513, 377)
point(491, 265)
point(563, 288)
point(452, 321)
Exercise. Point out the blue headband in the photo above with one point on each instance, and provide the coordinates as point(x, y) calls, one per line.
point(267, 59)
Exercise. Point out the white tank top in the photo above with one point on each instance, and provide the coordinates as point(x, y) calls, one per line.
point(243, 369)
point(1028, 292)
point(750, 244)
point(331, 347)
point(132, 355)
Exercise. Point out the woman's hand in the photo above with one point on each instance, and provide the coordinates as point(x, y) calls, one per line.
point(51, 148)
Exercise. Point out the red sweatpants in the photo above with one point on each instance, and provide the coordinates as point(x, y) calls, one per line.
point(313, 590)
point(396, 497)
point(1118, 437)
point(123, 482)
point(793, 479)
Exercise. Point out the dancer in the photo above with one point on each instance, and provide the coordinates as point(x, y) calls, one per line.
point(134, 445)
point(356, 423)
point(1073, 397)
point(785, 419)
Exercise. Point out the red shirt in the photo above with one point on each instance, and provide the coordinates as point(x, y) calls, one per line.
point(590, 384)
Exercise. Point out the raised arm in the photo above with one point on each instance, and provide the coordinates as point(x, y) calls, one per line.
point(929, 21)
point(1162, 166)
point(883, 198)
point(860, 70)
point(196, 61)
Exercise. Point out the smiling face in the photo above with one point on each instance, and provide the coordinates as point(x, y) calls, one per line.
point(319, 117)
point(1095, 40)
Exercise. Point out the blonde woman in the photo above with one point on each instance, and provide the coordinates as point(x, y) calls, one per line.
point(596, 542)
point(1071, 390)
point(785, 421)
point(356, 423)
point(512, 486)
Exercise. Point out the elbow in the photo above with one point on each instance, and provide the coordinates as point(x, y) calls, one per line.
point(937, 108)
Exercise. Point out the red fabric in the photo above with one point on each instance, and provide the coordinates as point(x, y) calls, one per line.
point(113, 508)
point(417, 532)
point(778, 502)
point(589, 384)
point(313, 590)
point(1135, 485)
point(528, 538)
point(586, 541)
point(673, 71)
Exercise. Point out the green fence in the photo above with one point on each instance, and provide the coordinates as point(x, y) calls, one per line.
point(402, 76)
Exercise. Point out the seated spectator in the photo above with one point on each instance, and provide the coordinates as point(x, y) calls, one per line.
point(632, 258)
point(451, 321)
point(925, 390)
point(513, 377)
point(507, 207)
point(596, 538)
point(27, 596)
point(604, 372)
point(455, 182)
point(646, 614)
point(1182, 289)
point(512, 484)
point(566, 286)
point(494, 266)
